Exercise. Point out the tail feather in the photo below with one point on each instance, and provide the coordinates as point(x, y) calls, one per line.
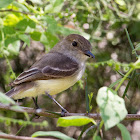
point(11, 92)
point(14, 92)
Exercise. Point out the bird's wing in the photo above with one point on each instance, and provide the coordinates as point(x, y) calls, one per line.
point(50, 66)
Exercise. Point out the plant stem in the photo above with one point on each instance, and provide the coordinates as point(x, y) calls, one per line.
point(87, 97)
point(130, 42)
point(132, 78)
point(123, 79)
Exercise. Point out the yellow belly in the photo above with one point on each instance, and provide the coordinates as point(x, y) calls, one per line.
point(52, 86)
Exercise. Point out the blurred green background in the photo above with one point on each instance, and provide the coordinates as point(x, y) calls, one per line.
point(30, 28)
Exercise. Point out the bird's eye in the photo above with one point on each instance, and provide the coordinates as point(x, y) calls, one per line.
point(74, 43)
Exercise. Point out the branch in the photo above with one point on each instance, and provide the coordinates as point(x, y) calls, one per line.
point(11, 10)
point(49, 114)
point(12, 137)
point(39, 112)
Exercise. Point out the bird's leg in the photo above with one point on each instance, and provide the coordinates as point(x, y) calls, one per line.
point(36, 106)
point(35, 102)
point(63, 109)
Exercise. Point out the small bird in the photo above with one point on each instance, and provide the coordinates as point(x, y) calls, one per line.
point(56, 71)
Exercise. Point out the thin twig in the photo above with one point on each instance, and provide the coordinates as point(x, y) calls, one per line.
point(12, 137)
point(124, 78)
point(49, 114)
point(130, 42)
point(11, 10)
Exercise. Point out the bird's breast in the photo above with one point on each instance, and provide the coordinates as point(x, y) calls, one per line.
point(54, 86)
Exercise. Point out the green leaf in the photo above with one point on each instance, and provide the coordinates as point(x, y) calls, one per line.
point(50, 20)
point(37, 2)
point(36, 35)
point(8, 30)
point(48, 39)
point(8, 101)
point(58, 4)
point(25, 38)
point(44, 39)
point(112, 107)
point(121, 4)
point(124, 132)
point(22, 25)
point(49, 8)
point(55, 6)
point(56, 134)
point(4, 3)
point(31, 23)
point(5, 99)
point(54, 28)
point(116, 82)
point(67, 31)
point(117, 66)
point(74, 121)
point(14, 47)
point(52, 25)
point(137, 48)
point(10, 40)
point(11, 19)
point(53, 39)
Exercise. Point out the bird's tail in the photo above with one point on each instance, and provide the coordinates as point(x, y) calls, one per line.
point(10, 93)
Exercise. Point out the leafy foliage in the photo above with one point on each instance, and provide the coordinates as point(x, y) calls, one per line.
point(117, 65)
point(21, 122)
point(8, 101)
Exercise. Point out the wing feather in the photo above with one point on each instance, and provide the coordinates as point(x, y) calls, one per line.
point(51, 66)
point(57, 72)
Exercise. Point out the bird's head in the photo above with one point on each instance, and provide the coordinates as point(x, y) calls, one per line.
point(75, 45)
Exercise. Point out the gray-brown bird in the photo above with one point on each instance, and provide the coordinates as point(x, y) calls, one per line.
point(56, 71)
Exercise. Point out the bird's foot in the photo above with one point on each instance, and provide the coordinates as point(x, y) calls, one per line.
point(36, 107)
point(63, 112)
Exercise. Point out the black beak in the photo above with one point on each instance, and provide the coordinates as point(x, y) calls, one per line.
point(89, 54)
